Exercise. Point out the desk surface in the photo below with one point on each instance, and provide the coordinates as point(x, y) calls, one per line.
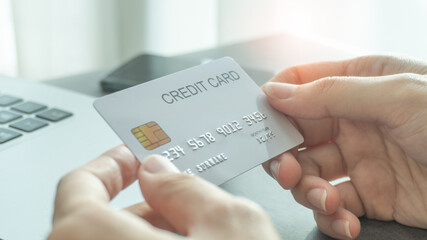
point(270, 54)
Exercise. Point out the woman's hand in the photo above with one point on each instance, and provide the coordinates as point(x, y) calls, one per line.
point(364, 118)
point(175, 203)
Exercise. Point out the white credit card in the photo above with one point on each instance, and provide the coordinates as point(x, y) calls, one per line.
point(211, 120)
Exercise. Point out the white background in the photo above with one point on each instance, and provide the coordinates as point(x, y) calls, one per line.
point(43, 39)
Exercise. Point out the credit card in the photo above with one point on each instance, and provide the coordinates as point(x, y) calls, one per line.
point(211, 120)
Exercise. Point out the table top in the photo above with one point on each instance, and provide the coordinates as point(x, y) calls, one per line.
point(292, 220)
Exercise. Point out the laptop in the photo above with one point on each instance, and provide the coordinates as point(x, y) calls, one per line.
point(45, 132)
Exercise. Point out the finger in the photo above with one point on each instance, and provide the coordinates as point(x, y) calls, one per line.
point(350, 198)
point(285, 169)
point(310, 72)
point(382, 99)
point(96, 182)
point(143, 210)
point(320, 131)
point(196, 207)
point(317, 194)
point(360, 66)
point(102, 222)
point(182, 199)
point(317, 131)
point(341, 225)
point(324, 161)
point(319, 165)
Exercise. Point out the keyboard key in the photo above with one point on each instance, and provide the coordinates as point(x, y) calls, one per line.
point(28, 125)
point(54, 114)
point(29, 107)
point(7, 135)
point(6, 116)
point(6, 100)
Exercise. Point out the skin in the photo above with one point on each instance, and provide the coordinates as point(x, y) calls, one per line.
point(366, 119)
point(175, 203)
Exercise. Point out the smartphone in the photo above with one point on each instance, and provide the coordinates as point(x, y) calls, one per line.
point(143, 68)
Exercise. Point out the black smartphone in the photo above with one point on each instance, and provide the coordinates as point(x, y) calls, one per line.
point(143, 68)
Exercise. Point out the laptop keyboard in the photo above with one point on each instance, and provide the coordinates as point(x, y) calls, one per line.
point(19, 117)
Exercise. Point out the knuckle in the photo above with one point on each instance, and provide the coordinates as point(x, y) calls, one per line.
point(326, 84)
point(174, 180)
point(410, 78)
point(416, 80)
point(175, 184)
point(413, 87)
point(289, 75)
point(64, 179)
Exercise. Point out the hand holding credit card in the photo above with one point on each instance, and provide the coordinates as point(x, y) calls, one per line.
point(211, 120)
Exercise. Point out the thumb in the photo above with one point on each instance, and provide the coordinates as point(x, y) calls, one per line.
point(386, 99)
point(181, 199)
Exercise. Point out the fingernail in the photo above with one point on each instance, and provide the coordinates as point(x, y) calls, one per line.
point(274, 168)
point(158, 164)
point(342, 227)
point(279, 90)
point(317, 197)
